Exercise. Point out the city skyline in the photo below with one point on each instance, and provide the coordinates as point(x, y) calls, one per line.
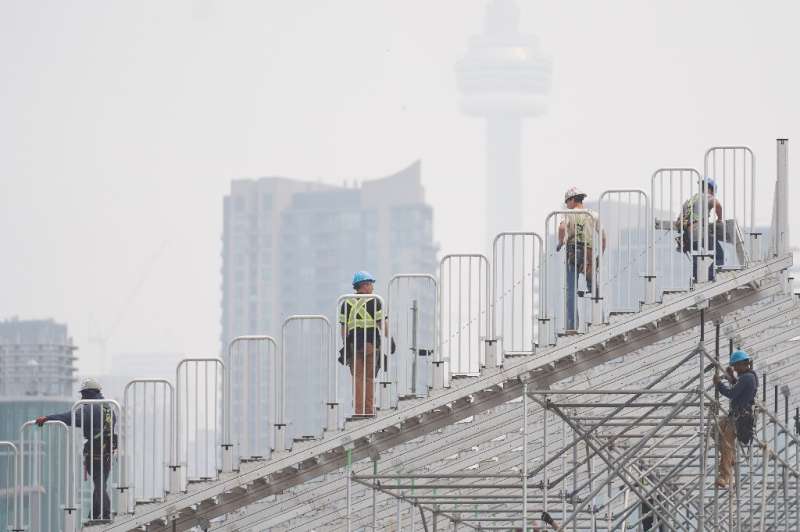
point(115, 156)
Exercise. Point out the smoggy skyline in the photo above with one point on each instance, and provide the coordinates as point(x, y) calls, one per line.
point(124, 123)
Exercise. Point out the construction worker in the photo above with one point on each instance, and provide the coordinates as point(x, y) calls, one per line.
point(578, 233)
point(361, 320)
point(739, 422)
point(98, 423)
point(690, 225)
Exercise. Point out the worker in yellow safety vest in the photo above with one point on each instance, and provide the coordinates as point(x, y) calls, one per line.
point(361, 320)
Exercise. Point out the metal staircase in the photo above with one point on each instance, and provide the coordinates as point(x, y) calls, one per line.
point(364, 439)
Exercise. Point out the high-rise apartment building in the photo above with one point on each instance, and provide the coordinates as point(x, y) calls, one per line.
point(291, 247)
point(36, 360)
point(37, 376)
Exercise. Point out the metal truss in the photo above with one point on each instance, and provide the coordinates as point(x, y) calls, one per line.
point(616, 428)
point(624, 335)
point(490, 448)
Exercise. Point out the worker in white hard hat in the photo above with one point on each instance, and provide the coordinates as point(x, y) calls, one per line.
point(580, 233)
point(98, 422)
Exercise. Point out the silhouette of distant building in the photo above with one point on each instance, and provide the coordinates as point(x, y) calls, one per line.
point(291, 247)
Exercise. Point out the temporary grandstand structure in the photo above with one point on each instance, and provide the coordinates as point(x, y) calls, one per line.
point(609, 429)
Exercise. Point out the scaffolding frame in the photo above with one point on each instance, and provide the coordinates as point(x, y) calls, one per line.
point(654, 448)
point(665, 473)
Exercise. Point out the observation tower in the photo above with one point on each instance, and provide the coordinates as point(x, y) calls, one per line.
point(503, 78)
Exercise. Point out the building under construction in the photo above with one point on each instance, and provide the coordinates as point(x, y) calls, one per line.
point(498, 410)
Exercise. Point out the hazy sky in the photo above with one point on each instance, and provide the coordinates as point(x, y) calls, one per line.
point(122, 124)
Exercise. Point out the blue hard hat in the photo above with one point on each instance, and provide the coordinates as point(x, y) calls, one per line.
point(361, 277)
point(738, 356)
point(710, 182)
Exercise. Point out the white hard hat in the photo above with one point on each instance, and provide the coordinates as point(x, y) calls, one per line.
point(90, 384)
point(572, 192)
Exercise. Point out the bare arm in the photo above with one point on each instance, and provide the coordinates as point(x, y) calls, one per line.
point(718, 209)
point(562, 232)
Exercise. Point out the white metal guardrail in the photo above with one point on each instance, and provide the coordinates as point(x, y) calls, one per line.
point(251, 380)
point(679, 229)
point(43, 475)
point(516, 272)
point(363, 348)
point(310, 375)
point(588, 263)
point(9, 486)
point(464, 325)
point(149, 463)
point(733, 168)
point(93, 466)
point(626, 271)
point(412, 301)
point(571, 291)
point(201, 401)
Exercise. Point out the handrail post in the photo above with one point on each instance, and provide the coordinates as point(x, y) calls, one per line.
point(782, 199)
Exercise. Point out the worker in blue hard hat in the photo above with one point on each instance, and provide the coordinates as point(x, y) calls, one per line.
point(690, 225)
point(361, 320)
point(739, 423)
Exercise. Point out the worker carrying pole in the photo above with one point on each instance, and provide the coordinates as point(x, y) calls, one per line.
point(361, 320)
point(740, 421)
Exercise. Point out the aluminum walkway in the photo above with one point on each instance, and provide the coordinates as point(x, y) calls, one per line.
point(363, 439)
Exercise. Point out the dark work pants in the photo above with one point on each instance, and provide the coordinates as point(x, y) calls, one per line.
point(99, 469)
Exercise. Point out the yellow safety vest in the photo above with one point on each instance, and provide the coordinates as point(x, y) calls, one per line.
point(356, 316)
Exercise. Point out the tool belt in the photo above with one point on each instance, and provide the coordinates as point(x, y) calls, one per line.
point(745, 423)
point(581, 256)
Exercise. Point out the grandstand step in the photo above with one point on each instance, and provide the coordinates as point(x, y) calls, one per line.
point(469, 396)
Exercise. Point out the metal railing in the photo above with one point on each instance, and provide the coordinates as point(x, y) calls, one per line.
point(626, 269)
point(95, 469)
point(363, 348)
point(309, 376)
point(10, 486)
point(201, 400)
point(149, 462)
point(412, 302)
point(465, 322)
point(573, 244)
point(251, 414)
point(43, 475)
point(587, 265)
point(734, 170)
point(516, 302)
point(679, 229)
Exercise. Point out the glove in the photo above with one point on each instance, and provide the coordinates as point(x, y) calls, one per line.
point(41, 420)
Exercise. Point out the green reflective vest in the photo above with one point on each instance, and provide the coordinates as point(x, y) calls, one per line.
point(355, 315)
